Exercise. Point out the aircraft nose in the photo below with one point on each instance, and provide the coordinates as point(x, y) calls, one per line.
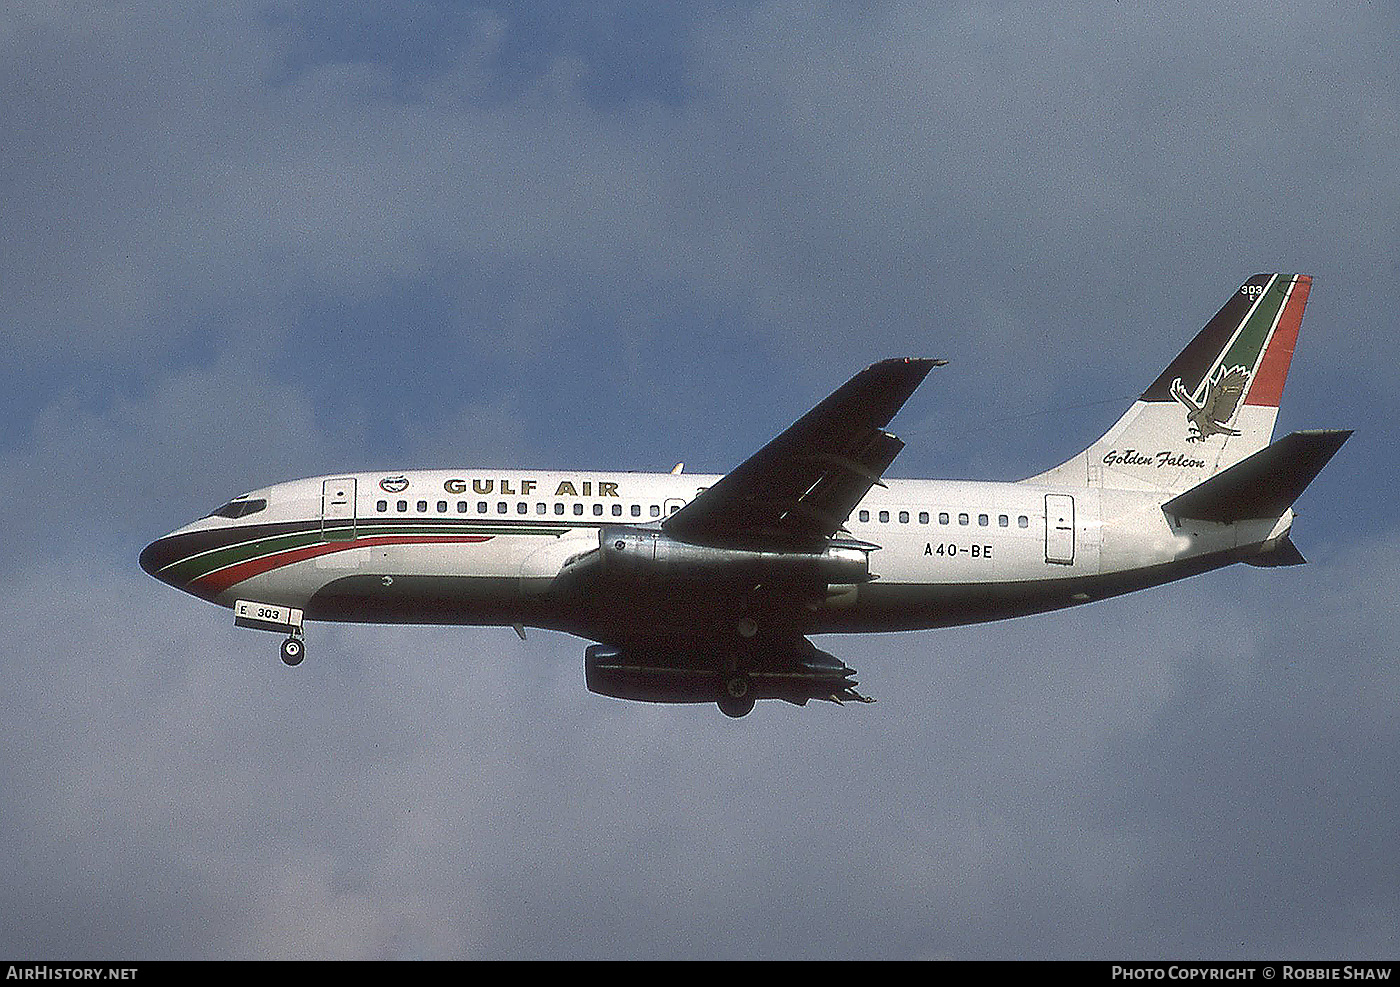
point(166, 558)
point(157, 555)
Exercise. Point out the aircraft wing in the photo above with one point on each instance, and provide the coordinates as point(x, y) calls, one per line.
point(798, 490)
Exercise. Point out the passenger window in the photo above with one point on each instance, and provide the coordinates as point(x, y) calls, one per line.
point(381, 506)
point(540, 508)
point(636, 510)
point(423, 506)
point(558, 507)
point(617, 510)
point(597, 510)
point(655, 510)
point(461, 507)
point(1023, 522)
point(522, 508)
point(884, 517)
point(578, 508)
point(442, 507)
point(501, 507)
point(983, 520)
point(903, 517)
point(923, 517)
point(402, 505)
point(962, 519)
point(1003, 520)
point(865, 515)
point(943, 517)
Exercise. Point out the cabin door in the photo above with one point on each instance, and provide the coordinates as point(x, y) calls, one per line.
point(338, 509)
point(1059, 529)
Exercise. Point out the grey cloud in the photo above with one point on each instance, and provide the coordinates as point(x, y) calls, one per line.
point(1201, 769)
point(139, 466)
point(881, 175)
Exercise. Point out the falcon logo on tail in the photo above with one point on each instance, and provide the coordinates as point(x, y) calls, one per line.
point(1222, 397)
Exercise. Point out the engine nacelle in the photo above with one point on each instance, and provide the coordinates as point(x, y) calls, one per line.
point(663, 676)
point(610, 672)
point(645, 552)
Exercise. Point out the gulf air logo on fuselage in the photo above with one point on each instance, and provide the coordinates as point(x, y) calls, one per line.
point(394, 484)
point(507, 487)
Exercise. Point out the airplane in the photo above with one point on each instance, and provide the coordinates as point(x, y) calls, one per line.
point(704, 588)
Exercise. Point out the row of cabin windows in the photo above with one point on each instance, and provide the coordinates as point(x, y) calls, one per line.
point(654, 510)
point(983, 520)
point(521, 507)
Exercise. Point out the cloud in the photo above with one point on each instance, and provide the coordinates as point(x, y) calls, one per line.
point(101, 471)
point(232, 257)
point(899, 175)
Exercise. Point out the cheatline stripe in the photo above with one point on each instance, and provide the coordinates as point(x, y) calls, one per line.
point(201, 563)
point(221, 579)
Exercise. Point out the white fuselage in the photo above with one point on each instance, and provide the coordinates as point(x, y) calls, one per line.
point(484, 546)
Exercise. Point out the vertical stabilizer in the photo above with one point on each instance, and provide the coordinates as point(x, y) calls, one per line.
point(1215, 404)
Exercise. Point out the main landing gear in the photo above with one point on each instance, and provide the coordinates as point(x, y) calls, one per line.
point(738, 699)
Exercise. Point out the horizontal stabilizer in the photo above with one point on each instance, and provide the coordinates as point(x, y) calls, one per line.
point(1263, 485)
point(1283, 553)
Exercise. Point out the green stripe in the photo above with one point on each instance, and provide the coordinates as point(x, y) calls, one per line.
point(1244, 352)
point(206, 562)
point(365, 529)
point(197, 565)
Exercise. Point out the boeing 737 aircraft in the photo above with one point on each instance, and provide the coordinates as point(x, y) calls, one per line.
point(702, 588)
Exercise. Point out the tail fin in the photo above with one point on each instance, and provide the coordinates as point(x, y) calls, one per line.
point(1214, 405)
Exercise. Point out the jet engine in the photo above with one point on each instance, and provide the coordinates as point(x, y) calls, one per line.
point(656, 675)
point(642, 552)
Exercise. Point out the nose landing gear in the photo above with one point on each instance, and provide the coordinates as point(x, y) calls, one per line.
point(293, 651)
point(270, 617)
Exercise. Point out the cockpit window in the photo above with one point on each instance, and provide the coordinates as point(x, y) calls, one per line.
point(241, 507)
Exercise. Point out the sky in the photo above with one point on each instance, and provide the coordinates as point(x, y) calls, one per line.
point(242, 243)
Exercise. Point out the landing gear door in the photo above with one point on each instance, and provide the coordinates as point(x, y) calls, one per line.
point(338, 509)
point(1059, 529)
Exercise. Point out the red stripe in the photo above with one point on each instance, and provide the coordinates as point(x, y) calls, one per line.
point(1267, 388)
point(221, 579)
